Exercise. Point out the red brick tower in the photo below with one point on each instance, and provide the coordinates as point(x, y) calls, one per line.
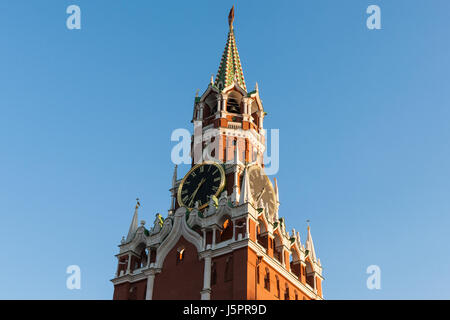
point(223, 238)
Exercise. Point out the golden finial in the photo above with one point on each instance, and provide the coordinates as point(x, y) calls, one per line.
point(137, 203)
point(231, 17)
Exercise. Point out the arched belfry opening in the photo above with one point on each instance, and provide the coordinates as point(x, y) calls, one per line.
point(226, 231)
point(211, 105)
point(309, 274)
point(234, 102)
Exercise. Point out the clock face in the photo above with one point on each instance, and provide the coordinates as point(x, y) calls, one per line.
point(200, 183)
point(262, 188)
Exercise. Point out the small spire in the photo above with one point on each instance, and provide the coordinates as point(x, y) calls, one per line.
point(267, 212)
point(211, 82)
point(246, 196)
point(174, 178)
point(310, 245)
point(276, 191)
point(196, 93)
point(256, 87)
point(134, 222)
point(137, 203)
point(174, 192)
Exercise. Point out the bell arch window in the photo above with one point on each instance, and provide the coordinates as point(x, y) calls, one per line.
point(233, 106)
point(233, 102)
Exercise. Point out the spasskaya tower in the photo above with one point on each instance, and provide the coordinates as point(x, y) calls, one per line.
point(223, 237)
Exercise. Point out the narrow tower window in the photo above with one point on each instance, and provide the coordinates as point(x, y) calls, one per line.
point(180, 254)
point(267, 280)
point(213, 274)
point(286, 293)
point(229, 269)
point(278, 286)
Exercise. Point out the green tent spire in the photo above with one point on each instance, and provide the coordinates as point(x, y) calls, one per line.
point(230, 66)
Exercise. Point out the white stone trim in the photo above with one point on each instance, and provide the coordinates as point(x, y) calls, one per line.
point(179, 228)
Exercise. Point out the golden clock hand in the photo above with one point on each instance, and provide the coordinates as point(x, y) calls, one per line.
point(195, 192)
point(260, 194)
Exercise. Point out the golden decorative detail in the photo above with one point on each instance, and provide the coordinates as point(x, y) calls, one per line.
point(231, 17)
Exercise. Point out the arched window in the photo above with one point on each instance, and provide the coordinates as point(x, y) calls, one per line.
point(233, 102)
point(142, 260)
point(295, 263)
point(296, 295)
point(277, 253)
point(227, 230)
point(233, 106)
point(309, 273)
point(267, 280)
point(286, 292)
point(180, 254)
point(210, 106)
point(240, 228)
point(261, 234)
point(278, 286)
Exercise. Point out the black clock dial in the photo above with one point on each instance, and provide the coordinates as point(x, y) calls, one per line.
point(200, 183)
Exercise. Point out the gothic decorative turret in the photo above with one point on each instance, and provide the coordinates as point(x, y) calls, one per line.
point(246, 194)
point(134, 222)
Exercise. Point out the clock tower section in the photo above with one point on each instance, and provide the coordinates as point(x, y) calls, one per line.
point(223, 237)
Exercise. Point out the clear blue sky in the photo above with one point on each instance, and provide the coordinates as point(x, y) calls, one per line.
point(86, 118)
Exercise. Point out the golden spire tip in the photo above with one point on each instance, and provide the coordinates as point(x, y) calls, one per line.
point(231, 17)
